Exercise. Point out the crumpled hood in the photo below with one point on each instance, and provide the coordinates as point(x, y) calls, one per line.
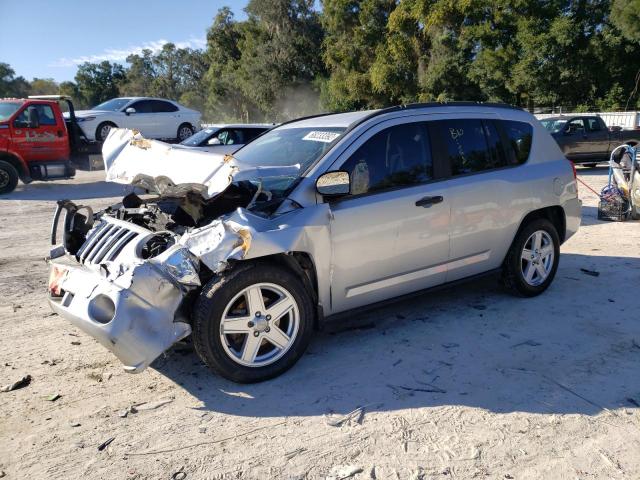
point(158, 167)
point(175, 170)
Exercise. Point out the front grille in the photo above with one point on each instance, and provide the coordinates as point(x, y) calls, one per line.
point(106, 241)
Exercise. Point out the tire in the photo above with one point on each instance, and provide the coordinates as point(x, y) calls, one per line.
point(103, 130)
point(8, 177)
point(515, 265)
point(185, 130)
point(226, 354)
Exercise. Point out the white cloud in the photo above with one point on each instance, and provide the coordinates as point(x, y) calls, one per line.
point(120, 54)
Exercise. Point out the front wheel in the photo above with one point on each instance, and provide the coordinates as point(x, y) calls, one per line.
point(103, 131)
point(253, 323)
point(533, 259)
point(8, 177)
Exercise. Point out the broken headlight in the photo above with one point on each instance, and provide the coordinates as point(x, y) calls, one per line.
point(182, 265)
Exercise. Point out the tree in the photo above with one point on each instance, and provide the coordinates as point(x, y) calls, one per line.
point(98, 82)
point(279, 55)
point(10, 85)
point(354, 31)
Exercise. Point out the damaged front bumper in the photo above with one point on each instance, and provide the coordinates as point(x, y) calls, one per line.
point(133, 307)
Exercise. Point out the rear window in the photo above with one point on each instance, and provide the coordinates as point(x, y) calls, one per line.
point(519, 136)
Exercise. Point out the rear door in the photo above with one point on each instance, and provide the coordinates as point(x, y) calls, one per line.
point(43, 140)
point(166, 119)
point(390, 236)
point(486, 188)
point(576, 142)
point(597, 138)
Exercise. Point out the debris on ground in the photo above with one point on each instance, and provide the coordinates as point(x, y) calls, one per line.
point(356, 416)
point(150, 405)
point(593, 273)
point(529, 343)
point(180, 475)
point(23, 382)
point(341, 472)
point(105, 444)
point(75, 343)
point(74, 424)
point(53, 397)
point(430, 389)
point(294, 453)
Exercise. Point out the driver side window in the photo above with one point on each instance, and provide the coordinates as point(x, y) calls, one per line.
point(395, 157)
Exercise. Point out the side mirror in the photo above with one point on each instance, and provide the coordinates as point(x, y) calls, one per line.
point(214, 141)
point(130, 110)
point(331, 184)
point(34, 120)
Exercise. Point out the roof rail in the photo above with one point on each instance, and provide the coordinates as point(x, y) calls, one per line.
point(411, 106)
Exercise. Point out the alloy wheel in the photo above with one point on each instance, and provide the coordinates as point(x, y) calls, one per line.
point(259, 325)
point(537, 258)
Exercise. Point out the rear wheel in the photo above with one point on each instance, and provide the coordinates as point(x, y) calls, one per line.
point(533, 259)
point(253, 323)
point(8, 177)
point(184, 131)
point(103, 130)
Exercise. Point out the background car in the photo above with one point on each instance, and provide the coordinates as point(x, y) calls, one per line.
point(153, 117)
point(226, 138)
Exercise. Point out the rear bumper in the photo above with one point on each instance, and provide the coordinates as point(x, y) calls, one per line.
point(132, 312)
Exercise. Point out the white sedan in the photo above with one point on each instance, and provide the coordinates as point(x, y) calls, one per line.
point(153, 117)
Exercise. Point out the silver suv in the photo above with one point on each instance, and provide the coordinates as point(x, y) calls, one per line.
point(317, 218)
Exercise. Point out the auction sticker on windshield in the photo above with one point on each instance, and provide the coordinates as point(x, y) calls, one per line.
point(325, 137)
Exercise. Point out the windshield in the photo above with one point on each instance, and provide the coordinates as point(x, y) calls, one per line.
point(553, 125)
point(282, 155)
point(113, 105)
point(196, 139)
point(7, 109)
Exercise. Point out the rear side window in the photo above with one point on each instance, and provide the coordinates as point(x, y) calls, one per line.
point(251, 133)
point(519, 135)
point(469, 145)
point(593, 124)
point(162, 107)
point(395, 157)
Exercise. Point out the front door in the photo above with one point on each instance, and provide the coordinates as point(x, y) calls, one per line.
point(38, 135)
point(391, 235)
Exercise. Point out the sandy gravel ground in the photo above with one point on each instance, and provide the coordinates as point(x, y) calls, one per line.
point(465, 383)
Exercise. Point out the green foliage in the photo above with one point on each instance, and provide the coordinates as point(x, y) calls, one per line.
point(98, 82)
point(288, 59)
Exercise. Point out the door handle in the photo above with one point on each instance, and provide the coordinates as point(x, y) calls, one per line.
point(426, 202)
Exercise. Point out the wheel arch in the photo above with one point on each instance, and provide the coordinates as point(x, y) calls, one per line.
point(18, 163)
point(303, 266)
point(555, 214)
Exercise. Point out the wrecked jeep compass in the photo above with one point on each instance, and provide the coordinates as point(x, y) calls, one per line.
point(317, 218)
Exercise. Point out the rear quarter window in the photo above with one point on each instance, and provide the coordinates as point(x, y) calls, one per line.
point(519, 135)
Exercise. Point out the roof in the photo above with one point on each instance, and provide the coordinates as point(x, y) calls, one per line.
point(352, 119)
point(330, 120)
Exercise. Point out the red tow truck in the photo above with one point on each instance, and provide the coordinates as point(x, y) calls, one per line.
point(37, 142)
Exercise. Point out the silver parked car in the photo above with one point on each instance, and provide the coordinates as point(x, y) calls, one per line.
point(314, 219)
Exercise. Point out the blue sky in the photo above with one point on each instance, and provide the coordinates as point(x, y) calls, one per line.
point(49, 38)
